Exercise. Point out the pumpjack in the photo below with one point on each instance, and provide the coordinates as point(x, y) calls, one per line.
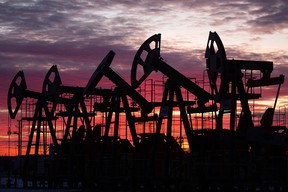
point(43, 113)
point(154, 62)
point(92, 156)
point(231, 86)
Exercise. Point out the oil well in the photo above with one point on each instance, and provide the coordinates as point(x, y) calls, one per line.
point(176, 133)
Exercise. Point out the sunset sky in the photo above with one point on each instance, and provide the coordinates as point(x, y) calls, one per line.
point(75, 35)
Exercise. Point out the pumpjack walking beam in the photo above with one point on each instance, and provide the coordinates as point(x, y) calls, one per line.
point(123, 89)
point(154, 62)
point(148, 57)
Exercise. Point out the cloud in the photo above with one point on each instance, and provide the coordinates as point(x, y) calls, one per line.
point(269, 16)
point(79, 33)
point(254, 16)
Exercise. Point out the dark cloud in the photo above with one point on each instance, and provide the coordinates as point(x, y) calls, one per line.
point(255, 16)
point(270, 16)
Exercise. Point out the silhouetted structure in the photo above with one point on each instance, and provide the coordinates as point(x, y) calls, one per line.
point(90, 151)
